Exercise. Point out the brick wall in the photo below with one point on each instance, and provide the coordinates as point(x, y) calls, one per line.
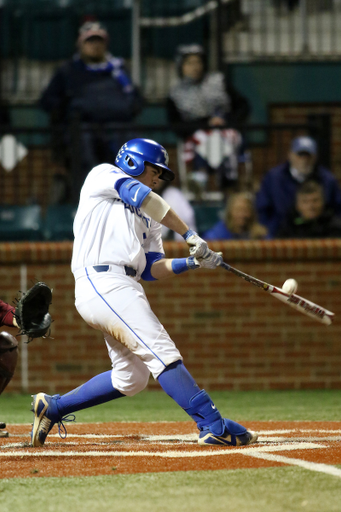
point(30, 181)
point(277, 144)
point(232, 335)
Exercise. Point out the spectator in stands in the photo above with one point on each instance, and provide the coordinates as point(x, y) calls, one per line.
point(276, 197)
point(199, 103)
point(180, 204)
point(93, 87)
point(310, 218)
point(239, 222)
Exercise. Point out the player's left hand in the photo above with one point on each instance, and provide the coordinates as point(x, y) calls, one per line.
point(197, 246)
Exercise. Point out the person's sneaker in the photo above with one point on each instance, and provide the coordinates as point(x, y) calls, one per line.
point(46, 414)
point(233, 435)
point(3, 433)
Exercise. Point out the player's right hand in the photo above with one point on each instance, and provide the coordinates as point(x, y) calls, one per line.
point(197, 246)
point(213, 260)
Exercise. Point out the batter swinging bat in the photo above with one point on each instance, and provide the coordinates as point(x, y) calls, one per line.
point(304, 306)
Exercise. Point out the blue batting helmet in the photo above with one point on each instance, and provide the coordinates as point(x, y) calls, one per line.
point(133, 155)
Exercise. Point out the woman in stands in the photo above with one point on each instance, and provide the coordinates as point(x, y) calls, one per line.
point(239, 222)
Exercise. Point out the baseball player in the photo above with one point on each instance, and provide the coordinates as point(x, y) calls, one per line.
point(117, 242)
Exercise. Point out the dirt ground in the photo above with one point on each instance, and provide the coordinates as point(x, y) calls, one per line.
point(107, 448)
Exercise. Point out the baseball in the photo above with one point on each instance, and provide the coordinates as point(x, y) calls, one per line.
point(290, 286)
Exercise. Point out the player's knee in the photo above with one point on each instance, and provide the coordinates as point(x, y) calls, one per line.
point(136, 387)
point(136, 382)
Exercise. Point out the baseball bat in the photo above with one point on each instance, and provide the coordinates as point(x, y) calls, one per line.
point(302, 305)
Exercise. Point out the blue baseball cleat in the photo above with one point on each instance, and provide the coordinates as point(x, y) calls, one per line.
point(234, 435)
point(44, 408)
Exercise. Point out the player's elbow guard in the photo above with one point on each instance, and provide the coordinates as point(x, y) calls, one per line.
point(132, 191)
point(151, 258)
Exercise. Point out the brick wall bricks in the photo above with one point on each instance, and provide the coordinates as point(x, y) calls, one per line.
point(231, 334)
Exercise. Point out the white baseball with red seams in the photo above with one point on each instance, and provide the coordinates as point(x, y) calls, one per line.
point(290, 286)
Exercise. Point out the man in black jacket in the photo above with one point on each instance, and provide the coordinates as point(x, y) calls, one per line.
point(94, 89)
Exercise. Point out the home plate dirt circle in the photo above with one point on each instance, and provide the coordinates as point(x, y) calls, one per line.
point(111, 448)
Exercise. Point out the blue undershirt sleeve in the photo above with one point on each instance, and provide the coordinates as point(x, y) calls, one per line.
point(151, 258)
point(132, 191)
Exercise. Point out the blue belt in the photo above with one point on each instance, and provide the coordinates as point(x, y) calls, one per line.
point(104, 268)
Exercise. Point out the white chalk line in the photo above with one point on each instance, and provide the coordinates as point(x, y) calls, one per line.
point(261, 438)
point(311, 466)
point(269, 443)
point(167, 454)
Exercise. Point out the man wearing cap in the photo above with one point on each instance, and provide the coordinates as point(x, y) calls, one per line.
point(94, 88)
point(276, 197)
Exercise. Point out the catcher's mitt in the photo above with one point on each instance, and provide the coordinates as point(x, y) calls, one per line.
point(32, 311)
point(8, 358)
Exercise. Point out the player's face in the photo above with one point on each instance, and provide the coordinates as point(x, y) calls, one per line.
point(150, 176)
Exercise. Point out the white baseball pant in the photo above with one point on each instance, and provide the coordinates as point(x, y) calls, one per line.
point(137, 342)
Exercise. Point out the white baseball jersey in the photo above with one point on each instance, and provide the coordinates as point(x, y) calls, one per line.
point(109, 231)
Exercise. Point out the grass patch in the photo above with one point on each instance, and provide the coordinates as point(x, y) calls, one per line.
point(257, 490)
point(320, 405)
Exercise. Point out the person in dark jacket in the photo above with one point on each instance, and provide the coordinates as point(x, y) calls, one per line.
point(92, 87)
point(277, 194)
point(200, 103)
point(310, 218)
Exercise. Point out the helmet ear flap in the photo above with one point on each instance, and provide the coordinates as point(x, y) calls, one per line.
point(130, 162)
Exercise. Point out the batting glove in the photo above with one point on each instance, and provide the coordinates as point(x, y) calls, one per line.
point(213, 260)
point(197, 246)
point(192, 263)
